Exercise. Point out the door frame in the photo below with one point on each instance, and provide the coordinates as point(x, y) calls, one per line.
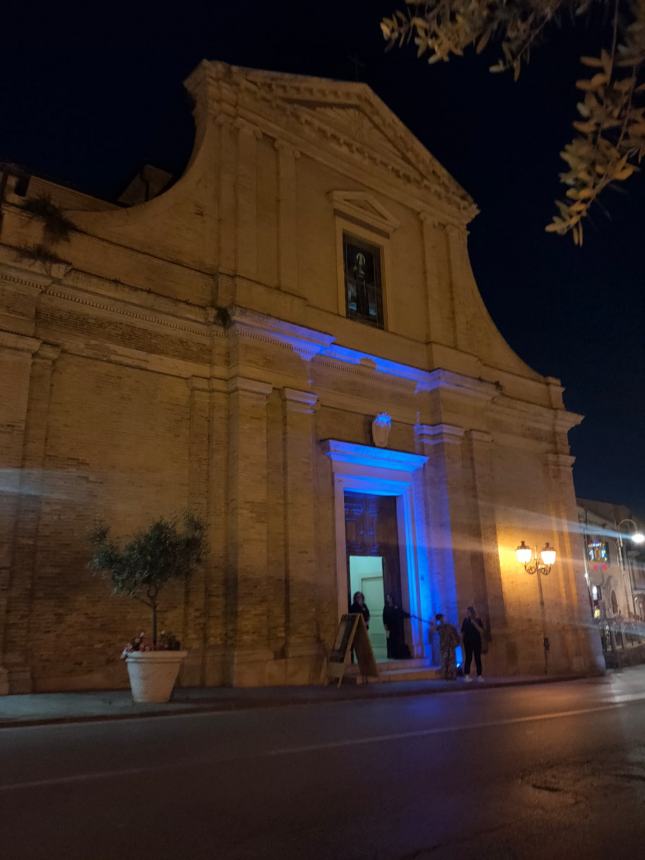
point(381, 471)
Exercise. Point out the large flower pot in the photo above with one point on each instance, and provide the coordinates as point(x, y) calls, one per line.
point(153, 674)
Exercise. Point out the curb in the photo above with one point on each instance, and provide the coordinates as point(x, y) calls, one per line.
point(255, 704)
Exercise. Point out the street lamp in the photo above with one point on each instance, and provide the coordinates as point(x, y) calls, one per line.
point(636, 537)
point(538, 564)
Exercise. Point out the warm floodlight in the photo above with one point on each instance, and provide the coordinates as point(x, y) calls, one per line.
point(539, 564)
point(548, 555)
point(523, 553)
point(534, 562)
point(638, 537)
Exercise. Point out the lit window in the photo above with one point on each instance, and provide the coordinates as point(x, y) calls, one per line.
point(363, 288)
point(598, 550)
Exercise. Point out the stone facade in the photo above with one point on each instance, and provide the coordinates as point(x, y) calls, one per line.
point(194, 351)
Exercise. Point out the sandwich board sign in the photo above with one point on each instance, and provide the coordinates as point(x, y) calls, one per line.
point(351, 635)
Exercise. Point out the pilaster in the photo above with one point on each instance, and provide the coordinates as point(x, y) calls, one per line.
point(19, 583)
point(488, 585)
point(586, 646)
point(247, 612)
point(195, 603)
point(441, 315)
point(445, 497)
point(299, 434)
point(246, 189)
point(287, 217)
point(461, 287)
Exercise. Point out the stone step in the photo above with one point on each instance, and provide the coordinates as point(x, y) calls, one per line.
point(427, 673)
point(397, 670)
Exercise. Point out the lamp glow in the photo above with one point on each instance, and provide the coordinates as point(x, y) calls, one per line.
point(638, 537)
point(548, 555)
point(523, 553)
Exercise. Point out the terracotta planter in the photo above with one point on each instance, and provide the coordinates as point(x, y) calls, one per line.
point(153, 674)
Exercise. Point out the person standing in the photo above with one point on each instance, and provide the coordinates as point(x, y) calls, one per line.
point(359, 607)
point(448, 641)
point(394, 623)
point(472, 634)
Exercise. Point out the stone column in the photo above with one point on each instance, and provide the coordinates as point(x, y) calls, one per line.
point(28, 466)
point(299, 436)
point(287, 217)
point(248, 592)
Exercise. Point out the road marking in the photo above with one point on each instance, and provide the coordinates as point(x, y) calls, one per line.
point(440, 730)
point(80, 777)
point(372, 739)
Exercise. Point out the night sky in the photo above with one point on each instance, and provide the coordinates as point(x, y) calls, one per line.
point(87, 96)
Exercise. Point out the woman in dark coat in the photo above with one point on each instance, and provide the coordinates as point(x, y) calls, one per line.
point(393, 621)
point(359, 607)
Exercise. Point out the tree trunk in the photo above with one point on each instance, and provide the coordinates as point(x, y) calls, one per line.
point(154, 625)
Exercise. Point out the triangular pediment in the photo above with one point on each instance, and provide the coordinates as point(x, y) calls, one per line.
point(356, 125)
point(364, 207)
point(345, 117)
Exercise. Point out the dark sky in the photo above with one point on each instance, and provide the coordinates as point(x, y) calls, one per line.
point(88, 94)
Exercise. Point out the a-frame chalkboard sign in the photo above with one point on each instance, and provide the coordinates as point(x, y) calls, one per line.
point(351, 634)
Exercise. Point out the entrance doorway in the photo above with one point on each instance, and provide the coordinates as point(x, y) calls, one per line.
point(366, 575)
point(373, 564)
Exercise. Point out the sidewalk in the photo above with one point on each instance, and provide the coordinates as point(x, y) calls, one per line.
point(50, 708)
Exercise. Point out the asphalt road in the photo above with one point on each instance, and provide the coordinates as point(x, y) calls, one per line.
point(548, 771)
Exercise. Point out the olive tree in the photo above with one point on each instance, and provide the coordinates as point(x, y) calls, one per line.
point(609, 142)
point(151, 559)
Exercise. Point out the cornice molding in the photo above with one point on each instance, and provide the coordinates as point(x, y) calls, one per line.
point(19, 342)
point(306, 342)
point(246, 385)
point(540, 417)
point(343, 454)
point(456, 383)
point(130, 312)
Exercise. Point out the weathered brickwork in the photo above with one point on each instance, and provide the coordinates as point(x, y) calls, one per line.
point(193, 352)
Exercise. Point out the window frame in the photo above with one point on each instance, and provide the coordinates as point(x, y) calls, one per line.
point(380, 241)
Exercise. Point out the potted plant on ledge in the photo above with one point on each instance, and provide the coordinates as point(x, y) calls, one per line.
point(140, 569)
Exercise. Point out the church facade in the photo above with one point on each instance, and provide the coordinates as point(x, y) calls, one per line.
point(289, 342)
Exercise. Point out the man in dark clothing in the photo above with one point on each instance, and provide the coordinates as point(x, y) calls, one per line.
point(393, 621)
point(472, 633)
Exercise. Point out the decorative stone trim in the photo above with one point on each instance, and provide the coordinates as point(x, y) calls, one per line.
point(249, 386)
point(561, 461)
point(448, 380)
point(343, 453)
point(480, 436)
point(19, 342)
point(305, 341)
point(300, 401)
point(440, 434)
point(366, 208)
point(99, 303)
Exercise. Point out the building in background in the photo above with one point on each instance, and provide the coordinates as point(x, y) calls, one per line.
point(289, 341)
point(614, 571)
